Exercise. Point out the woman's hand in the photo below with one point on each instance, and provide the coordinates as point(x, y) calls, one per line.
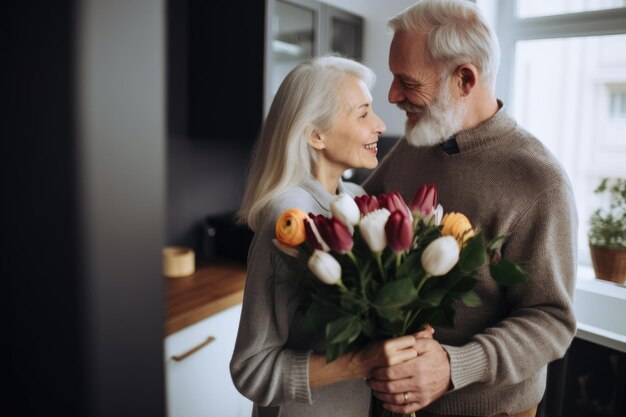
point(387, 352)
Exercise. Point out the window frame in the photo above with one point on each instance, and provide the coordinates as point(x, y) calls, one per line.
point(592, 23)
point(590, 294)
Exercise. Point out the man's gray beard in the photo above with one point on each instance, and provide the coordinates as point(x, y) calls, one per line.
point(439, 121)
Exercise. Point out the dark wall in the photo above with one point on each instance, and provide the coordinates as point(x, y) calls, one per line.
point(204, 176)
point(83, 209)
point(40, 304)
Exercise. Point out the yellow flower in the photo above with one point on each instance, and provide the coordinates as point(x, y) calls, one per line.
point(458, 226)
point(290, 230)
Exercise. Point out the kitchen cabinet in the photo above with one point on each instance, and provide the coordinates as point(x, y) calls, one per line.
point(197, 368)
point(231, 82)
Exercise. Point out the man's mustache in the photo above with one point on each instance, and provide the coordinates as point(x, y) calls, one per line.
point(410, 107)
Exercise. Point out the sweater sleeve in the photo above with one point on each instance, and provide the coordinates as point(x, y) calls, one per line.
point(541, 322)
point(262, 369)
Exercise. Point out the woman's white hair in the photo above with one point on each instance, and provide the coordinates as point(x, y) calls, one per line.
point(307, 101)
point(457, 34)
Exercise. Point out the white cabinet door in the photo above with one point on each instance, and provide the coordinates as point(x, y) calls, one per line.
point(198, 383)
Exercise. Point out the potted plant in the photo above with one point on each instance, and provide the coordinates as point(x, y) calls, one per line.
point(607, 232)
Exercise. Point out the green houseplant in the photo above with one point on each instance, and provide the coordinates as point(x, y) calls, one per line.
point(607, 232)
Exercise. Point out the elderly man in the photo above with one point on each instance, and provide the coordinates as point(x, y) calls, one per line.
point(458, 136)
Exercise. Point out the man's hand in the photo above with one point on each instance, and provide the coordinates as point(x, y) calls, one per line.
point(423, 379)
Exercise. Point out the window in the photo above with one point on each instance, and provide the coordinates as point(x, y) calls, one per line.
point(563, 77)
point(617, 103)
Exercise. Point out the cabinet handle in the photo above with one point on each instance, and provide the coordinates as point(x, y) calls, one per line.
point(193, 350)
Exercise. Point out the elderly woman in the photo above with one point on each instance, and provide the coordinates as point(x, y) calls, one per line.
point(321, 123)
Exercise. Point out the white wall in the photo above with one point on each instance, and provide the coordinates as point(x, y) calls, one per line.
point(376, 40)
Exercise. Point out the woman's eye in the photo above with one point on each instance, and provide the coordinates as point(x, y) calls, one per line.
point(364, 115)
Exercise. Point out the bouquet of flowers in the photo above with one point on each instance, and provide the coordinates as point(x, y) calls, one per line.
point(379, 268)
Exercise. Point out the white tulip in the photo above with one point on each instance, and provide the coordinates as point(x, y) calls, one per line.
point(440, 256)
point(344, 208)
point(435, 217)
point(325, 267)
point(372, 229)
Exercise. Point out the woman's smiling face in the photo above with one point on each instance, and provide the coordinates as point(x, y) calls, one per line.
point(351, 141)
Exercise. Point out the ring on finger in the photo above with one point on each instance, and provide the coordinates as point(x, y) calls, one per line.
point(406, 397)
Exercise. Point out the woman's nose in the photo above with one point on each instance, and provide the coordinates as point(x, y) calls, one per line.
point(380, 125)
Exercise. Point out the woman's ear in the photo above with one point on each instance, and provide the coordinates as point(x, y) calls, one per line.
point(466, 76)
point(316, 140)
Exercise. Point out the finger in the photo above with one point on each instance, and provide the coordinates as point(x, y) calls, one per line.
point(396, 386)
point(399, 343)
point(402, 356)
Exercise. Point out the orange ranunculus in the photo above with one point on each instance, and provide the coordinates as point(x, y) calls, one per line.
point(458, 226)
point(290, 229)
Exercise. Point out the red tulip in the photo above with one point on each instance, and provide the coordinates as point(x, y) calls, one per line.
point(334, 233)
point(425, 200)
point(399, 230)
point(394, 201)
point(366, 203)
point(313, 235)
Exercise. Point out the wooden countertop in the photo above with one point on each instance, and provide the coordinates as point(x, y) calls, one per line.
point(214, 287)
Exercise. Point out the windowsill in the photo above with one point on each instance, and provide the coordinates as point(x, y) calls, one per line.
point(600, 308)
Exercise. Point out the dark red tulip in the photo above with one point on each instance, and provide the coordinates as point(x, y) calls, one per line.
point(424, 200)
point(366, 203)
point(399, 231)
point(334, 233)
point(311, 236)
point(394, 201)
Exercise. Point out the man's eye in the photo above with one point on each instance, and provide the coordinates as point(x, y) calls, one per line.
point(364, 115)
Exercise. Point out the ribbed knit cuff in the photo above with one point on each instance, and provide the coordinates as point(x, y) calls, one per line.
point(299, 378)
point(468, 364)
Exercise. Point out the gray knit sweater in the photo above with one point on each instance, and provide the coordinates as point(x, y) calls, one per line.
point(506, 182)
point(270, 362)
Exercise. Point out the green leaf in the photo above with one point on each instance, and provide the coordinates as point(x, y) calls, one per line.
point(369, 328)
point(335, 350)
point(465, 284)
point(496, 243)
point(471, 299)
point(316, 316)
point(473, 254)
point(411, 267)
point(389, 313)
point(432, 298)
point(508, 273)
point(344, 329)
point(443, 317)
point(397, 293)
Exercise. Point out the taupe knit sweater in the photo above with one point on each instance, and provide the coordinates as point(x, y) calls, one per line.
point(270, 362)
point(505, 181)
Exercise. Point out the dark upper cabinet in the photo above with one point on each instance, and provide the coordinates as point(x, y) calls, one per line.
point(239, 54)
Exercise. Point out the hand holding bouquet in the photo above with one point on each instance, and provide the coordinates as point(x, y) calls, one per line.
point(378, 268)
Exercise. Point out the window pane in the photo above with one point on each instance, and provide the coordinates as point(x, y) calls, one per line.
point(564, 93)
point(533, 8)
point(292, 40)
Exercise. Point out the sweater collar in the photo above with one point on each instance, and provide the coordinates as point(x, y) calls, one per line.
point(319, 193)
point(487, 132)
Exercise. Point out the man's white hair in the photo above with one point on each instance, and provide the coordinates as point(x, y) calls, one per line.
point(457, 34)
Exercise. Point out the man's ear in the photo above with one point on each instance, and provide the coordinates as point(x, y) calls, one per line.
point(467, 76)
point(316, 140)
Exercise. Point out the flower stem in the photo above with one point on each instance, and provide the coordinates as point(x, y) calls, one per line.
point(379, 261)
